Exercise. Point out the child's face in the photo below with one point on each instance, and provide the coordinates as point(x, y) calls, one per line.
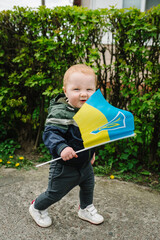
point(79, 88)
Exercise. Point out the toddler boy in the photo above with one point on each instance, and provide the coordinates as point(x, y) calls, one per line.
point(62, 137)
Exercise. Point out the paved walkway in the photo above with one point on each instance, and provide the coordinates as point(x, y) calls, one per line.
point(131, 212)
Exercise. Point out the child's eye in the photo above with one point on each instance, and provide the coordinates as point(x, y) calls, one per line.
point(76, 89)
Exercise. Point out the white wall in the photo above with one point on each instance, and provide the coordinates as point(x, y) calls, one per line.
point(141, 4)
point(94, 4)
point(86, 3)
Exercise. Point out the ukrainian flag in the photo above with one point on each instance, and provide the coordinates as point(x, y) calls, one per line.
point(99, 122)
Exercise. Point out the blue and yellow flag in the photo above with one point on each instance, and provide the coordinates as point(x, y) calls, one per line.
point(99, 122)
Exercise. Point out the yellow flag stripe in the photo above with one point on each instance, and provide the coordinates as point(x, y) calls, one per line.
point(92, 119)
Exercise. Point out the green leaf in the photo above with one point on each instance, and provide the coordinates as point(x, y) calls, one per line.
point(145, 173)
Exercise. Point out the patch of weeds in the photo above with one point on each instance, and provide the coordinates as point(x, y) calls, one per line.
point(143, 177)
point(8, 157)
point(8, 147)
point(45, 155)
point(151, 180)
point(17, 162)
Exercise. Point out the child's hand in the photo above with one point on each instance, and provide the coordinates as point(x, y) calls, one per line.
point(93, 159)
point(68, 153)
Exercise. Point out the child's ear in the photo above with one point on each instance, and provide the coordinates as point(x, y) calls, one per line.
point(64, 90)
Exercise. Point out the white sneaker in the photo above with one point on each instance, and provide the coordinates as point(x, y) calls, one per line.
point(90, 214)
point(40, 217)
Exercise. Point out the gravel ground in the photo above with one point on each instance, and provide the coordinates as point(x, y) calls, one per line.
point(131, 212)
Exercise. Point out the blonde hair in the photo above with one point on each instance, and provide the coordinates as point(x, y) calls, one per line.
point(82, 68)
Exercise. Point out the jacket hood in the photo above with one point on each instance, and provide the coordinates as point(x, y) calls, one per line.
point(62, 99)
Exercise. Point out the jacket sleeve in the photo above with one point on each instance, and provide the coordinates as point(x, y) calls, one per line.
point(54, 139)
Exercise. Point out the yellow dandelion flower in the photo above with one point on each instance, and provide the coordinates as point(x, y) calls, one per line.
point(10, 156)
point(21, 158)
point(17, 164)
point(8, 162)
point(112, 177)
point(1, 160)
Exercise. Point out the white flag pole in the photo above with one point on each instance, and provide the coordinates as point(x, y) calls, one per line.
point(53, 160)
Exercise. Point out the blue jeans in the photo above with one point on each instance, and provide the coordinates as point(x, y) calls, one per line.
point(64, 178)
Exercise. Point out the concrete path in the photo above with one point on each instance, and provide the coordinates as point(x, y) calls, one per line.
point(131, 212)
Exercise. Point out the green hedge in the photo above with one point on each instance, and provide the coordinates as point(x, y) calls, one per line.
point(36, 48)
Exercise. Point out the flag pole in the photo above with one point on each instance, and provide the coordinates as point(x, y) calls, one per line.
point(81, 150)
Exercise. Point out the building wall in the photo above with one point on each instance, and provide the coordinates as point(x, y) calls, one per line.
point(141, 4)
point(94, 4)
point(85, 3)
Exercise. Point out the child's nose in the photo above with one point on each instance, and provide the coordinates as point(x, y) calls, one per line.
point(83, 93)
